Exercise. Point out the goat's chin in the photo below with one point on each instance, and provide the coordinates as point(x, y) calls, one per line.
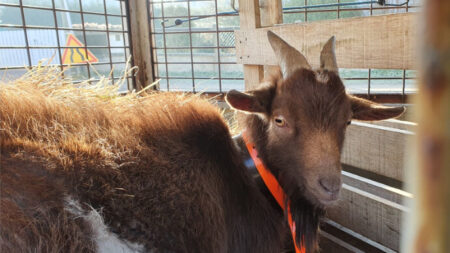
point(328, 203)
point(321, 201)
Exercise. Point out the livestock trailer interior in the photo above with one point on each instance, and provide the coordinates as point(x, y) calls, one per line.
point(395, 173)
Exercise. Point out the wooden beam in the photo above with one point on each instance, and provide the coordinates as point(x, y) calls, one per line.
point(430, 222)
point(377, 148)
point(140, 43)
point(384, 42)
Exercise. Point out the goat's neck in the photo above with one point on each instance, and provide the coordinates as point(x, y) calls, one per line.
point(306, 215)
point(257, 132)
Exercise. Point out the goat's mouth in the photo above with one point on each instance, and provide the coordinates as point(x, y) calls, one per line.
point(327, 199)
point(323, 196)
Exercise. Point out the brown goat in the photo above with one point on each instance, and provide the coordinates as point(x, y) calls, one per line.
point(162, 174)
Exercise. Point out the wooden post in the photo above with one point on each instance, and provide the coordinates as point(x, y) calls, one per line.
point(250, 19)
point(140, 42)
point(271, 14)
point(431, 214)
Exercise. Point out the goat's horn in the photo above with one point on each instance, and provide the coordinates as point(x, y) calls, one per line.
point(328, 56)
point(288, 57)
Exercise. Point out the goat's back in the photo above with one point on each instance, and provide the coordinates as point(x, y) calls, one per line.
point(161, 171)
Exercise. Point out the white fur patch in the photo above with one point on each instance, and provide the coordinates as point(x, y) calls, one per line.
point(106, 241)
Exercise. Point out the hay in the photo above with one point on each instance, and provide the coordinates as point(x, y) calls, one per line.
point(47, 114)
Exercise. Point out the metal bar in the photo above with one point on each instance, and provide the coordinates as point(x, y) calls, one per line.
point(50, 47)
point(85, 39)
point(149, 15)
point(203, 78)
point(127, 11)
point(189, 47)
point(27, 45)
point(109, 42)
point(190, 44)
point(339, 10)
point(60, 28)
point(57, 9)
point(218, 47)
point(355, 9)
point(306, 11)
point(165, 48)
point(57, 36)
point(201, 16)
point(180, 1)
point(198, 31)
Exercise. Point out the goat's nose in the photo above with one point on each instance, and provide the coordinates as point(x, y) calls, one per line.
point(331, 185)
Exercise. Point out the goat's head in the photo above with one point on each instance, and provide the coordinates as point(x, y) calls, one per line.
point(302, 119)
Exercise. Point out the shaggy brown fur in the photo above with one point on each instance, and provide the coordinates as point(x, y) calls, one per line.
point(162, 168)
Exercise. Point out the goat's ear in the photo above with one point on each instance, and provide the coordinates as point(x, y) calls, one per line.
point(288, 57)
point(328, 56)
point(253, 102)
point(366, 110)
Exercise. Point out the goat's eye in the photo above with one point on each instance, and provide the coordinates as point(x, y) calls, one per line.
point(280, 121)
point(349, 122)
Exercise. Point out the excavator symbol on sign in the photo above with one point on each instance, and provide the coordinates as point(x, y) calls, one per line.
point(76, 53)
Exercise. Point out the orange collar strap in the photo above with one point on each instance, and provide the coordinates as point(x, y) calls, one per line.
point(272, 184)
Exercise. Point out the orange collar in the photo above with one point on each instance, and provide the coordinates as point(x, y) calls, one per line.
point(272, 184)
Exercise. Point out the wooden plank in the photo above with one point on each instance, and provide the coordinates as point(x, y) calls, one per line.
point(375, 148)
point(253, 76)
point(331, 243)
point(385, 42)
point(140, 43)
point(368, 217)
point(249, 16)
point(381, 190)
point(271, 14)
point(398, 124)
point(371, 209)
point(346, 236)
point(429, 224)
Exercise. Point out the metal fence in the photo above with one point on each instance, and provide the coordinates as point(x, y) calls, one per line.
point(193, 44)
point(197, 55)
point(91, 36)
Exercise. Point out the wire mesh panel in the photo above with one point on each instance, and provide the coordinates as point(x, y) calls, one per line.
point(194, 46)
point(91, 36)
point(193, 43)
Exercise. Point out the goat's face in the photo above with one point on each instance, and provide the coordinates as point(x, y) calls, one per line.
point(305, 115)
